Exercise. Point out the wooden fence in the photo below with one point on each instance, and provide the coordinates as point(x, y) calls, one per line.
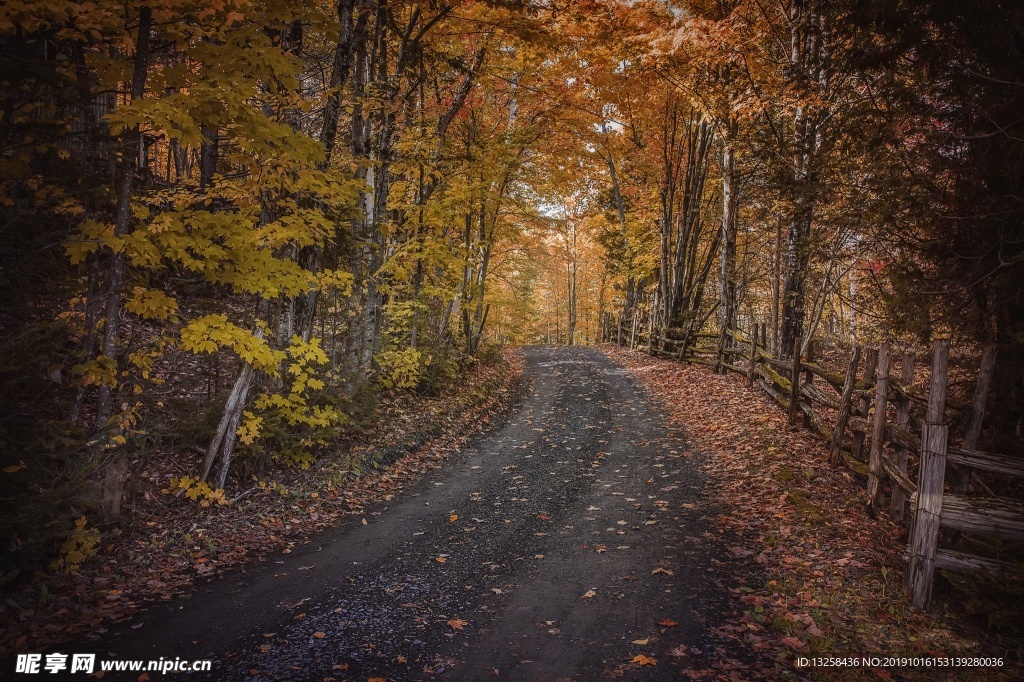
point(890, 422)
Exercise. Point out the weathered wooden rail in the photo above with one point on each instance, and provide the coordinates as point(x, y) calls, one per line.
point(881, 448)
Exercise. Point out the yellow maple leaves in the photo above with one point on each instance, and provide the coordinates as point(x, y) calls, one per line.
point(210, 333)
point(151, 304)
point(81, 545)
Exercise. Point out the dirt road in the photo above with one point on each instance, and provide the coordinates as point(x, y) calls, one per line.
point(550, 549)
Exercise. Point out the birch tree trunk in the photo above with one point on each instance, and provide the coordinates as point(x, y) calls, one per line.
point(727, 255)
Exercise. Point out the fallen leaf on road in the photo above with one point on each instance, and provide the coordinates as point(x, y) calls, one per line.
point(641, 642)
point(458, 623)
point(667, 623)
point(689, 505)
point(642, 660)
point(319, 635)
point(364, 522)
point(662, 570)
point(441, 559)
point(589, 594)
point(453, 518)
point(269, 634)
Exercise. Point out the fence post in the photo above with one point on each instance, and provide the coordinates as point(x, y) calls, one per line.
point(930, 478)
point(753, 356)
point(632, 329)
point(899, 499)
point(845, 403)
point(650, 324)
point(878, 427)
point(794, 379)
point(865, 402)
point(809, 379)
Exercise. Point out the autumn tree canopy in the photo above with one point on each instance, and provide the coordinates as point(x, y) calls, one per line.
point(233, 225)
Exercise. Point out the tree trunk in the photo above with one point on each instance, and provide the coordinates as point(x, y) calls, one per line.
point(898, 500)
point(209, 152)
point(981, 390)
point(878, 426)
point(727, 256)
point(776, 293)
point(116, 474)
point(845, 405)
point(221, 448)
point(793, 297)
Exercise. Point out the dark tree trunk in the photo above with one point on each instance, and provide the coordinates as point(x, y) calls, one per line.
point(116, 471)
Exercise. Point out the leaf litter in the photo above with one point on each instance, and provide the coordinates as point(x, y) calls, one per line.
point(816, 575)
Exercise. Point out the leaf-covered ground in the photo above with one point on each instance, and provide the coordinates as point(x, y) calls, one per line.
point(823, 578)
point(174, 542)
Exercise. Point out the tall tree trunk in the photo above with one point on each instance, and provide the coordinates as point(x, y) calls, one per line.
point(793, 297)
point(727, 257)
point(808, 58)
point(629, 295)
point(209, 152)
point(116, 470)
point(776, 287)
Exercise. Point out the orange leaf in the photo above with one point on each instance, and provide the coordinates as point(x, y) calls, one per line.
point(667, 623)
point(453, 518)
point(319, 635)
point(458, 623)
point(441, 559)
point(642, 660)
